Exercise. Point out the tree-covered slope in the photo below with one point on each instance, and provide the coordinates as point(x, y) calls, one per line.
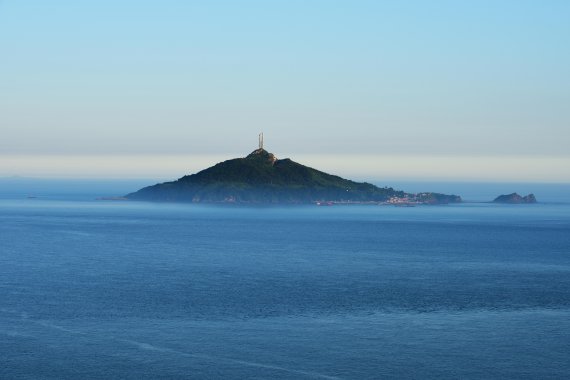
point(261, 178)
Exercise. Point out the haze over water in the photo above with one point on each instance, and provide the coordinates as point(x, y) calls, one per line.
point(405, 94)
point(134, 290)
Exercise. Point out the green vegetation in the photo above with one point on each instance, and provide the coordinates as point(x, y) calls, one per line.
point(261, 178)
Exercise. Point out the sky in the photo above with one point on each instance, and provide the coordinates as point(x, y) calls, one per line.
point(450, 90)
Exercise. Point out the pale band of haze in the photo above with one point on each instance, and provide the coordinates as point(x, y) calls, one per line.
point(361, 167)
point(451, 90)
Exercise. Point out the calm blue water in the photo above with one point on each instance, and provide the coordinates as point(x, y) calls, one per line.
point(101, 290)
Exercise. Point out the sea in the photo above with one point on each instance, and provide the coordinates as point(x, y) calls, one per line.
point(94, 289)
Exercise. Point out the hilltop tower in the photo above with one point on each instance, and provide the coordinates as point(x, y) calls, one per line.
point(261, 152)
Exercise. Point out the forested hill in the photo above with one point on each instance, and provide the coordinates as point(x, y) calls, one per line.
point(262, 178)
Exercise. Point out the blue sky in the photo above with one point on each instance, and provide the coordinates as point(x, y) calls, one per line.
point(382, 87)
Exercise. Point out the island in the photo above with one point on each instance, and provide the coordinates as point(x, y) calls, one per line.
point(515, 198)
point(261, 178)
